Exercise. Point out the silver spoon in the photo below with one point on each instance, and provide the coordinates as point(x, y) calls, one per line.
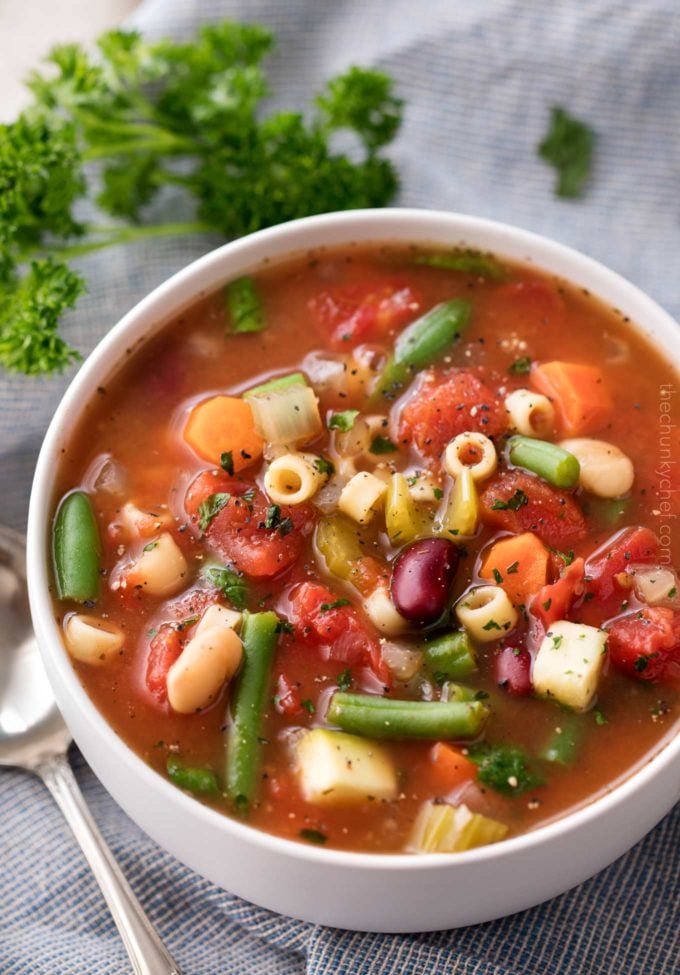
point(33, 736)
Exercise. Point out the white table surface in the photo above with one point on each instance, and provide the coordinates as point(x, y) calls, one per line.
point(28, 28)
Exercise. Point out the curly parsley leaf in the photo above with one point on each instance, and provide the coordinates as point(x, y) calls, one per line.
point(153, 114)
point(568, 147)
point(504, 768)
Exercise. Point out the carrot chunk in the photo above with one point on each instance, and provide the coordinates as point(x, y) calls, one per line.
point(519, 564)
point(581, 399)
point(449, 768)
point(224, 424)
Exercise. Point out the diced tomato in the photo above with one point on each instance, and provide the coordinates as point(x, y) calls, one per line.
point(646, 645)
point(606, 576)
point(512, 670)
point(553, 601)
point(336, 631)
point(286, 697)
point(368, 574)
point(237, 533)
point(534, 506)
point(164, 649)
point(364, 312)
point(446, 405)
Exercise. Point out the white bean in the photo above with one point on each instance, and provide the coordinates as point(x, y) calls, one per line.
point(605, 470)
point(208, 660)
point(92, 640)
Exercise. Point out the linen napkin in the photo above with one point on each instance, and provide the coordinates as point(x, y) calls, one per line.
point(479, 80)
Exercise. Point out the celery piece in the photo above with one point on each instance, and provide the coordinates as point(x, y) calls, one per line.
point(401, 515)
point(337, 541)
point(462, 510)
point(276, 385)
point(286, 415)
point(442, 828)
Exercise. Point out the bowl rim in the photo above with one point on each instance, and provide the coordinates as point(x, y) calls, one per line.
point(355, 222)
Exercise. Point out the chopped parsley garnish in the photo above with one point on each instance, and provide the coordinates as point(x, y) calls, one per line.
point(518, 500)
point(599, 717)
point(324, 466)
point(672, 593)
point(150, 546)
point(568, 147)
point(521, 366)
point(343, 421)
point(283, 626)
point(512, 569)
point(227, 461)
point(497, 576)
point(326, 607)
point(557, 642)
point(314, 836)
point(491, 625)
point(211, 507)
point(382, 445)
point(274, 521)
point(438, 494)
point(503, 768)
point(547, 604)
point(308, 705)
point(232, 586)
point(567, 557)
point(344, 679)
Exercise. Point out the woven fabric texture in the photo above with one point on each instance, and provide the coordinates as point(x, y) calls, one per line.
point(478, 79)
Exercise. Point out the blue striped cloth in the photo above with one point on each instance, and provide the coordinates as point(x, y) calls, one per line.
point(479, 79)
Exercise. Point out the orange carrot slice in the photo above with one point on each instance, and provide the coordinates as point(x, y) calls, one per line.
point(224, 424)
point(579, 394)
point(519, 564)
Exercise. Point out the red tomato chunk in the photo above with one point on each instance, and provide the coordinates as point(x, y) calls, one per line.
point(519, 502)
point(336, 631)
point(364, 313)
point(446, 405)
point(606, 574)
point(238, 532)
point(646, 645)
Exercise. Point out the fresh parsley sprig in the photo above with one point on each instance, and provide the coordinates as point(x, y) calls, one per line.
point(153, 114)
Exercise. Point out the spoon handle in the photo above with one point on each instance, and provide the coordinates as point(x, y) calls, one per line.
point(143, 945)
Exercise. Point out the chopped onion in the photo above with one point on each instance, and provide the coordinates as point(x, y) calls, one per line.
point(656, 585)
point(403, 663)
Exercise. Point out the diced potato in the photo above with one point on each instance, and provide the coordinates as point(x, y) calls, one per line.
point(92, 640)
point(569, 662)
point(334, 767)
point(161, 569)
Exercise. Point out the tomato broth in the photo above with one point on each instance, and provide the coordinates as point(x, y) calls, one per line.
point(540, 743)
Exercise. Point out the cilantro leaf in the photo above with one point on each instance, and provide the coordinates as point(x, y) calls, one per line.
point(382, 445)
point(521, 366)
point(324, 466)
point(518, 500)
point(568, 147)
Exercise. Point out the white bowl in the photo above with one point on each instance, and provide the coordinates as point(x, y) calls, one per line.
point(366, 892)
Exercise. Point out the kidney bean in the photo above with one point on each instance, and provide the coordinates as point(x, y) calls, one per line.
point(512, 669)
point(422, 577)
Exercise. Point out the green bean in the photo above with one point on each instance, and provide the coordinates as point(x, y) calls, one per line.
point(563, 745)
point(76, 549)
point(608, 512)
point(457, 692)
point(466, 261)
point(421, 344)
point(191, 778)
point(451, 655)
point(259, 637)
point(552, 463)
point(245, 308)
point(381, 717)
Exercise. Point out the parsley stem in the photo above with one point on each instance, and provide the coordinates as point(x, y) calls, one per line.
point(126, 235)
